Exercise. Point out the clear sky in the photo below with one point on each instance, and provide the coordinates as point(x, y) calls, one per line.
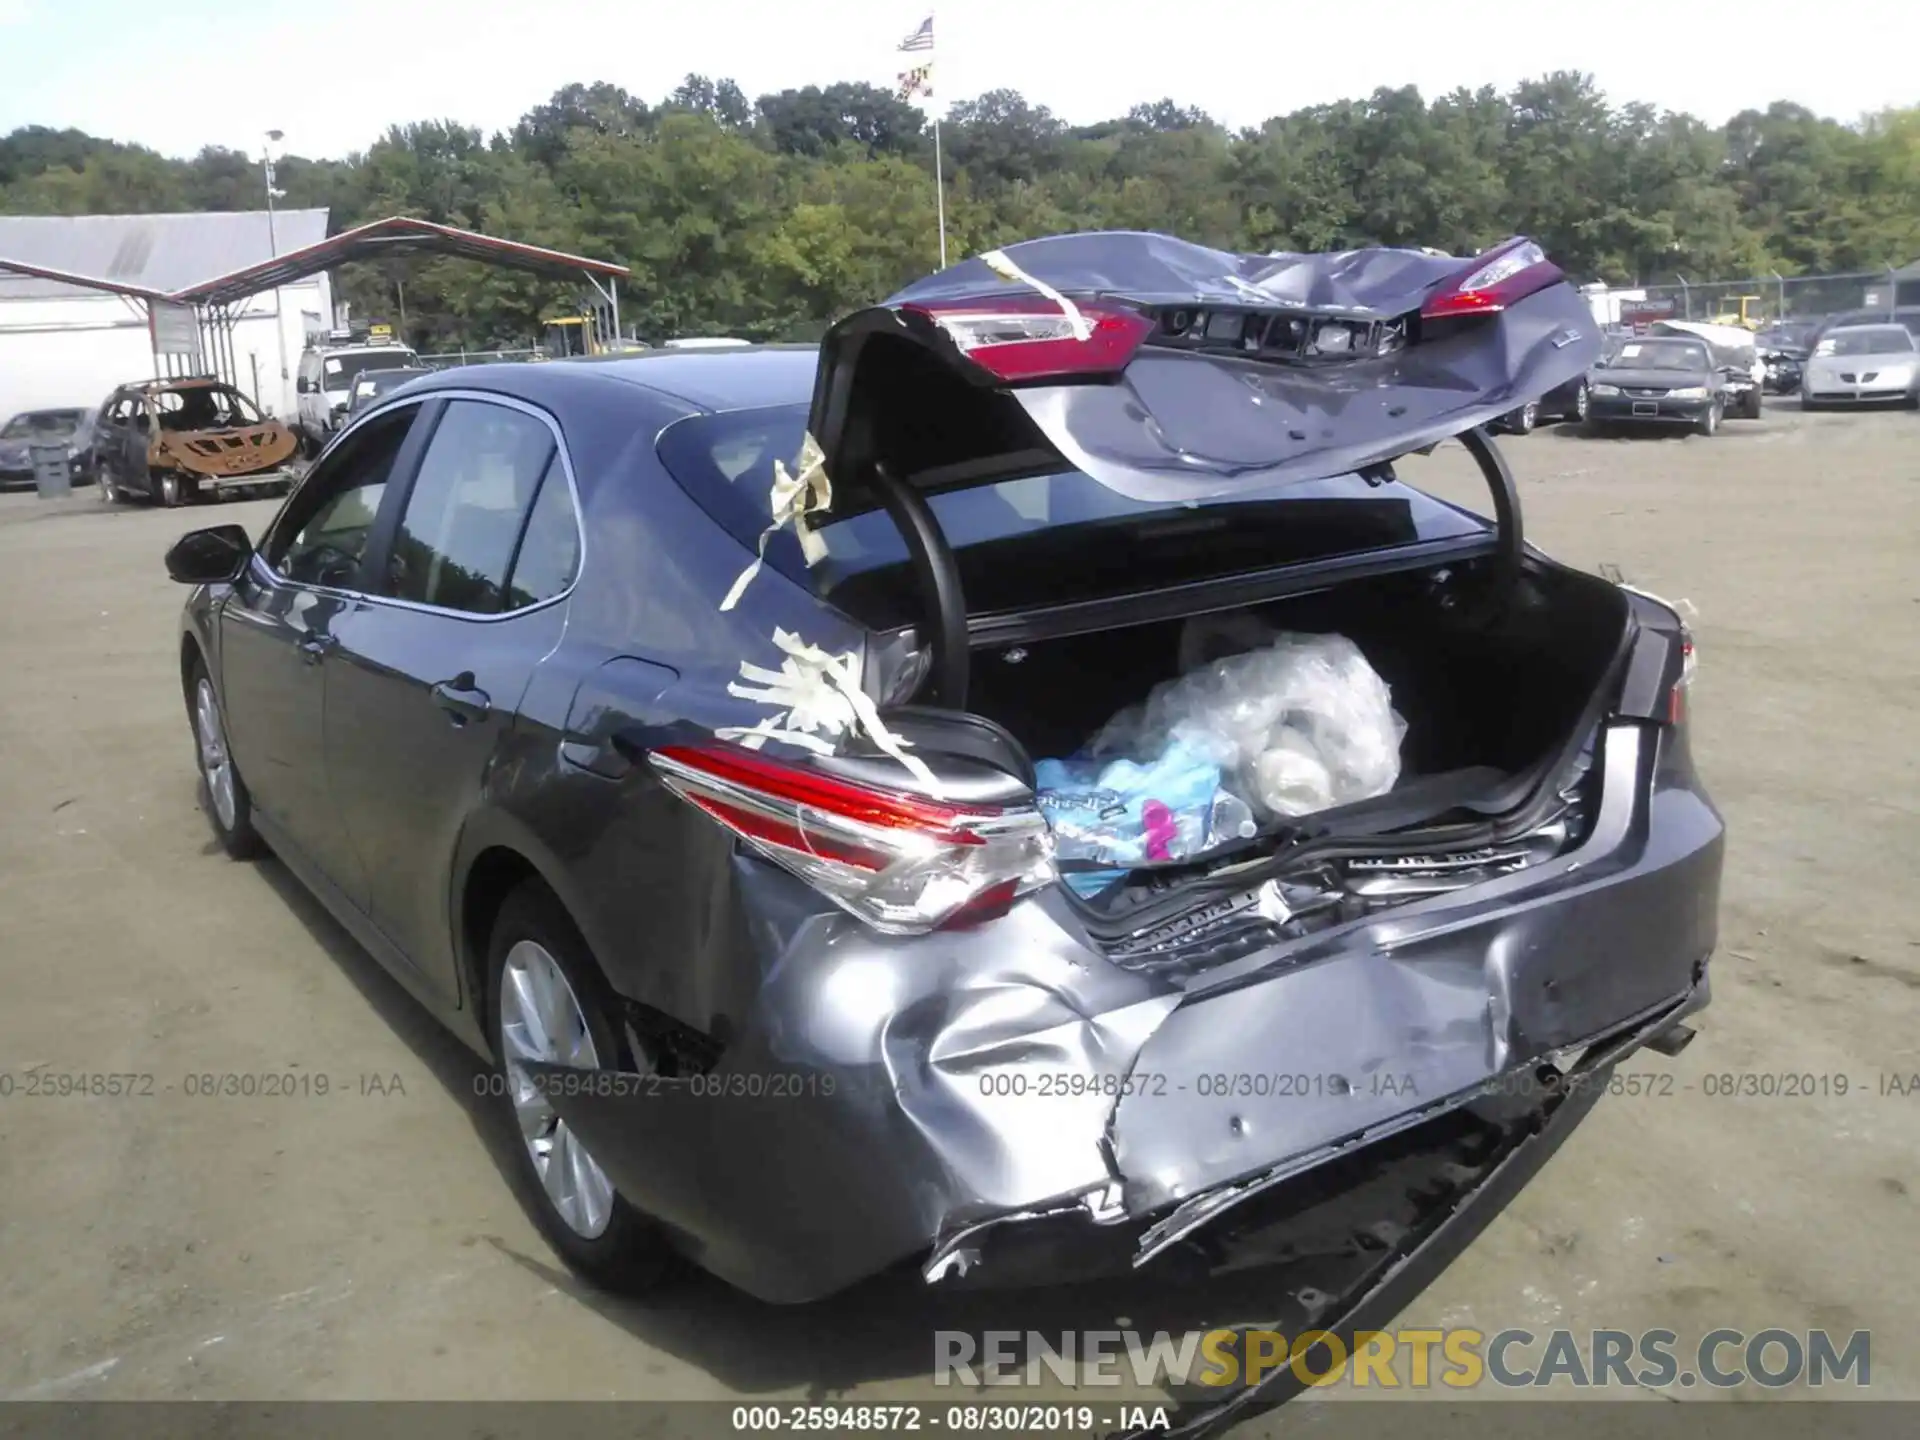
point(333, 74)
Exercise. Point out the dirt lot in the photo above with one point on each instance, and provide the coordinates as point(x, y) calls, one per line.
point(365, 1243)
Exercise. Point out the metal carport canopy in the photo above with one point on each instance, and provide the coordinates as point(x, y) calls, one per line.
point(401, 234)
point(85, 282)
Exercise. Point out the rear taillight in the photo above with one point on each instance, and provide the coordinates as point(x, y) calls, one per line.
point(1677, 697)
point(1509, 272)
point(903, 864)
point(1033, 338)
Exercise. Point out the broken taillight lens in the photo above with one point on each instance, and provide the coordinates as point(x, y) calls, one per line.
point(1509, 272)
point(903, 864)
point(1677, 697)
point(1033, 338)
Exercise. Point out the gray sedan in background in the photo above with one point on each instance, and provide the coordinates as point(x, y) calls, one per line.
point(1863, 364)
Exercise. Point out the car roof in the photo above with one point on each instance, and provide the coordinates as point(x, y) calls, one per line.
point(161, 387)
point(1857, 326)
point(740, 377)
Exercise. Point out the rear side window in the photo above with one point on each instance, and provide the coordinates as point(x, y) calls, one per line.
point(476, 484)
point(549, 555)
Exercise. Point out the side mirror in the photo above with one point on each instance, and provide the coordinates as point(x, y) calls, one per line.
point(214, 556)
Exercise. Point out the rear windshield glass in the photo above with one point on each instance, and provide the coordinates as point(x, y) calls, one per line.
point(58, 424)
point(1880, 340)
point(1024, 538)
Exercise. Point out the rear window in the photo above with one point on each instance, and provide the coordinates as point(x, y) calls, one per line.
point(1023, 542)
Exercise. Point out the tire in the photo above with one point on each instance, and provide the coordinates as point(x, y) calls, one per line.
point(1806, 402)
point(1750, 406)
point(1582, 403)
point(109, 492)
point(170, 489)
point(223, 795)
point(1523, 420)
point(1709, 423)
point(598, 1234)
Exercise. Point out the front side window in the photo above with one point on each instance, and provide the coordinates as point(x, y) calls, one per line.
point(469, 503)
point(321, 536)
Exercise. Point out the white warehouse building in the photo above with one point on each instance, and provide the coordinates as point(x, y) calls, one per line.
point(65, 344)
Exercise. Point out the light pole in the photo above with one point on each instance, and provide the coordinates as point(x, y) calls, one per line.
point(273, 251)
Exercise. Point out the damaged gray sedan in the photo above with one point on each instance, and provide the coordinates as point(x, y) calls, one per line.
point(726, 745)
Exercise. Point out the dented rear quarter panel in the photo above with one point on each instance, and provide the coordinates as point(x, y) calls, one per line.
point(853, 1121)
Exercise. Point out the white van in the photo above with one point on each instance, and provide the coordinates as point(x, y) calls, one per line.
point(324, 383)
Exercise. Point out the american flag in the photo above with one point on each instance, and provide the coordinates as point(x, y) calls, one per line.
point(920, 39)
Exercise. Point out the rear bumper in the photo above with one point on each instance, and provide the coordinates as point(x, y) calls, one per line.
point(1457, 1180)
point(954, 1096)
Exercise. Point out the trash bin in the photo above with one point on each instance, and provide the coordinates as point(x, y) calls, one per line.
point(52, 475)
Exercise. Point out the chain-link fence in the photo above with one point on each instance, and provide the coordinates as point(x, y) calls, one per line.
point(480, 357)
point(1770, 299)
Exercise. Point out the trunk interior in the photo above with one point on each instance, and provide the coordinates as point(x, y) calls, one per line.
point(1483, 677)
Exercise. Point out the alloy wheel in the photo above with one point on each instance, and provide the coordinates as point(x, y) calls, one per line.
point(169, 489)
point(1529, 417)
point(1581, 404)
point(106, 489)
point(541, 1020)
point(216, 765)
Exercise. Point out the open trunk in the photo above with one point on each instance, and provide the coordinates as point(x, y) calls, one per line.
point(1486, 683)
point(1500, 680)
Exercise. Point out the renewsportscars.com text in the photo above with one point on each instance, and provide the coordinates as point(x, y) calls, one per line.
point(1458, 1359)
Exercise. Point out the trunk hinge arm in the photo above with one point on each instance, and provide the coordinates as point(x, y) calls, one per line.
point(938, 572)
point(1506, 499)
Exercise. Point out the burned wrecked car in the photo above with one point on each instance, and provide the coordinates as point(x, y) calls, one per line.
point(173, 441)
point(1017, 792)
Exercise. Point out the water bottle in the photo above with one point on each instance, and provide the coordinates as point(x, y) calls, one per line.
point(1231, 819)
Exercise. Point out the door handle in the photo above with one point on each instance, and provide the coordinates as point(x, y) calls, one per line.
point(461, 699)
point(314, 647)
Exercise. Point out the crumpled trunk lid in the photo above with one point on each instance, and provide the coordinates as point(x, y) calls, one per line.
point(1234, 379)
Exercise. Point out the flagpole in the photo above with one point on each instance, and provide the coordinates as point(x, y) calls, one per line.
point(939, 190)
point(918, 80)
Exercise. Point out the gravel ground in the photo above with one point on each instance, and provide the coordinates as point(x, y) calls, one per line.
point(365, 1243)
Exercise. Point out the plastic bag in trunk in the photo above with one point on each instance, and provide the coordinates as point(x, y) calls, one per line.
point(1301, 724)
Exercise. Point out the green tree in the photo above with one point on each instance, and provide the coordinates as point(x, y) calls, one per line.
point(768, 219)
